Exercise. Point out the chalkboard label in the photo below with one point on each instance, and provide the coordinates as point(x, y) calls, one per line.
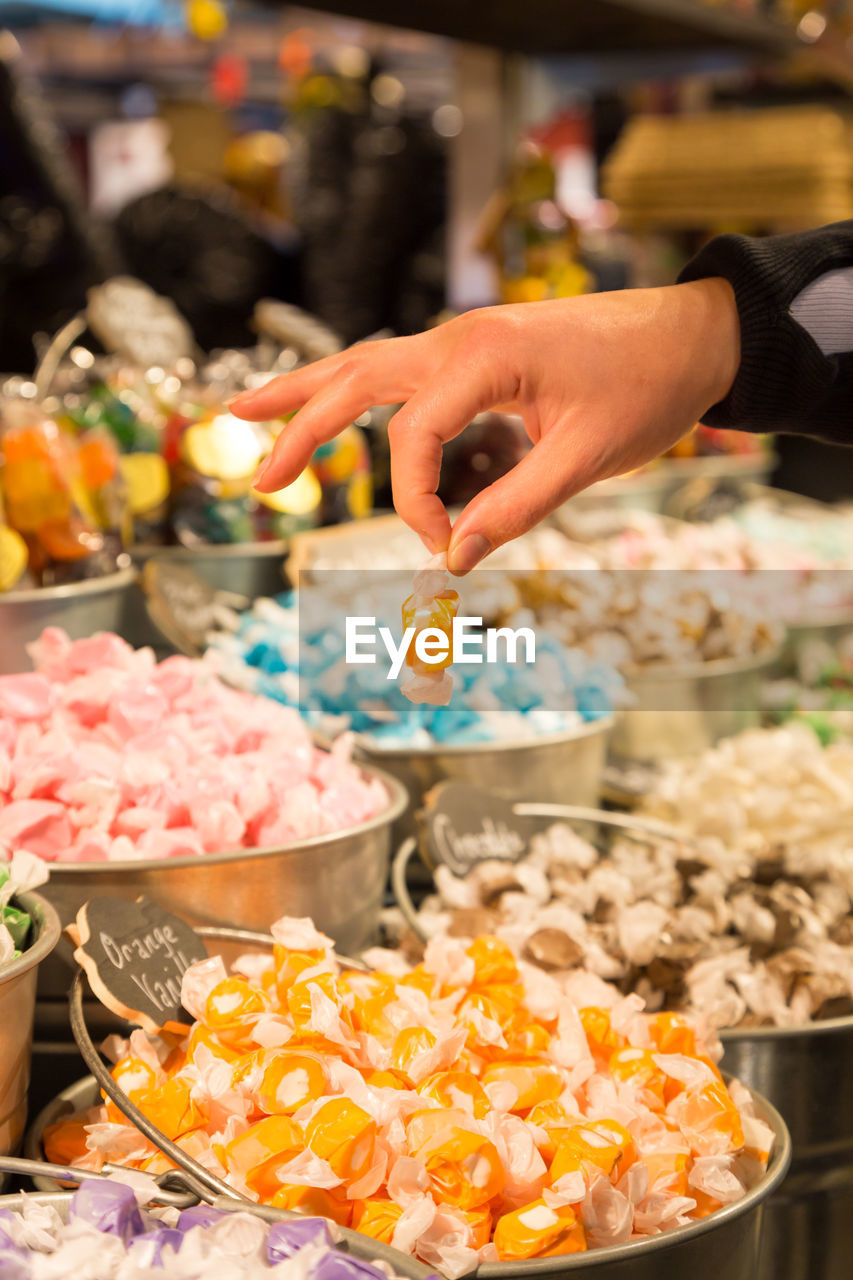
point(135, 955)
point(462, 825)
point(132, 320)
point(180, 604)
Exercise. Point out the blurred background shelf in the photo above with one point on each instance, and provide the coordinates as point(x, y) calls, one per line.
point(542, 27)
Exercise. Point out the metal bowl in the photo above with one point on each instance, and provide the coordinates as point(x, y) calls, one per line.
point(652, 488)
point(80, 608)
point(814, 641)
point(682, 710)
point(249, 569)
point(358, 1245)
point(337, 879)
point(806, 1072)
point(557, 768)
point(723, 1245)
point(17, 1007)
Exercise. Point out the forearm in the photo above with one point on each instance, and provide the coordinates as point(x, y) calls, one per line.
point(785, 382)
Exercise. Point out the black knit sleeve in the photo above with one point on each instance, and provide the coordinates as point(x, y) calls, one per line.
point(784, 383)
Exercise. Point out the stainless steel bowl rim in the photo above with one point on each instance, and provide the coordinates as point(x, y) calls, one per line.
point(825, 1027)
point(71, 590)
point(398, 797)
point(780, 1160)
point(49, 931)
point(696, 670)
point(836, 618)
point(586, 730)
point(219, 550)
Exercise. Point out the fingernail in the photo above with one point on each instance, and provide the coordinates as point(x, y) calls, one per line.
point(259, 474)
point(242, 397)
point(470, 552)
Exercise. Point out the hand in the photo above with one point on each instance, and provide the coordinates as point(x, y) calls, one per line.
point(603, 383)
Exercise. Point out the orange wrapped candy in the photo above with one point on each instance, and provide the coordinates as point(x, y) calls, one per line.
point(376, 1218)
point(289, 1080)
point(436, 616)
point(438, 1103)
point(314, 1202)
point(603, 1144)
point(459, 1089)
point(344, 1135)
point(535, 1082)
point(463, 1166)
point(258, 1154)
point(538, 1231)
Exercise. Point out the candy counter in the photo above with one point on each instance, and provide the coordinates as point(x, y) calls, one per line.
point(109, 460)
point(569, 1052)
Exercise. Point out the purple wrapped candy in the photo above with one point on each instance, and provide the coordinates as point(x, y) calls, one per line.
point(336, 1265)
point(109, 1206)
point(200, 1215)
point(287, 1238)
point(160, 1238)
point(14, 1264)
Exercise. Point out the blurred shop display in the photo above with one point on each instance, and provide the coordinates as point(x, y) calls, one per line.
point(49, 250)
point(529, 237)
point(200, 249)
point(369, 200)
point(136, 449)
point(777, 169)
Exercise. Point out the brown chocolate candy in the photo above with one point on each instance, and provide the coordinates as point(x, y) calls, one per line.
point(552, 949)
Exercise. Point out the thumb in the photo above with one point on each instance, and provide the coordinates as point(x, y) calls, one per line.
point(551, 473)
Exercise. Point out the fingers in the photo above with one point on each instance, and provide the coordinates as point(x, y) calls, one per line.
point(326, 413)
point(545, 478)
point(389, 369)
point(284, 394)
point(417, 435)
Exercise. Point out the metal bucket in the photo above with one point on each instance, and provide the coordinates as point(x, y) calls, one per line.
point(722, 1247)
point(337, 879)
point(249, 569)
point(17, 1006)
point(806, 1072)
point(81, 608)
point(816, 638)
point(560, 768)
point(652, 489)
point(357, 1245)
point(684, 710)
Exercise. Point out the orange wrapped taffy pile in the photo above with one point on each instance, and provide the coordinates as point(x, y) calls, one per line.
point(465, 1110)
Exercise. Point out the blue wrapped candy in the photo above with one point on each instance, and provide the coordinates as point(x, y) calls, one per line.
point(266, 654)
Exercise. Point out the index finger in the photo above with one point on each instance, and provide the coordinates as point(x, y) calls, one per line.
point(389, 370)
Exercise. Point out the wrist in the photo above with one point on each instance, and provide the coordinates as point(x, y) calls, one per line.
point(716, 334)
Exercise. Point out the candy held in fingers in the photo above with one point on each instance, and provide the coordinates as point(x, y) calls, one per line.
point(429, 614)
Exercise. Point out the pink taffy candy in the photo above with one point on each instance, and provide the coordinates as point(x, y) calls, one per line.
point(106, 755)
